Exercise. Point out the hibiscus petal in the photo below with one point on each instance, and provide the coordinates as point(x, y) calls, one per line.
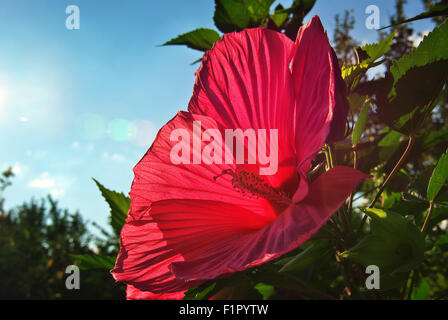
point(133, 293)
point(158, 178)
point(285, 233)
point(339, 122)
point(245, 82)
point(313, 74)
point(174, 231)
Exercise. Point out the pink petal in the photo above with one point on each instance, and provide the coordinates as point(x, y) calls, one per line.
point(313, 73)
point(175, 231)
point(157, 178)
point(132, 293)
point(289, 230)
point(339, 122)
point(245, 82)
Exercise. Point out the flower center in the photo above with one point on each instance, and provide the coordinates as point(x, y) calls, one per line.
point(255, 186)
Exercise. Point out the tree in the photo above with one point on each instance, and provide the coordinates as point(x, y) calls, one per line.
point(37, 241)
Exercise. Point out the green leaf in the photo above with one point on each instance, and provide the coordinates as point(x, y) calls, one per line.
point(360, 124)
point(352, 74)
point(413, 97)
point(377, 50)
point(200, 39)
point(442, 241)
point(236, 15)
point(119, 206)
point(316, 251)
point(431, 49)
point(356, 101)
point(280, 16)
point(394, 244)
point(421, 292)
point(91, 261)
point(303, 6)
point(438, 177)
point(415, 83)
point(439, 9)
point(389, 144)
point(265, 290)
point(202, 292)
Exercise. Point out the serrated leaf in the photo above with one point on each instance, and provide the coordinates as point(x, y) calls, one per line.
point(119, 206)
point(360, 124)
point(236, 15)
point(352, 74)
point(414, 97)
point(377, 50)
point(431, 49)
point(438, 177)
point(91, 261)
point(200, 39)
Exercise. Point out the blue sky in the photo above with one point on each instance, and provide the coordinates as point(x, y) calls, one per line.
point(77, 104)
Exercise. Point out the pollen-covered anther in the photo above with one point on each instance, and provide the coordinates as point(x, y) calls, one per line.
point(255, 186)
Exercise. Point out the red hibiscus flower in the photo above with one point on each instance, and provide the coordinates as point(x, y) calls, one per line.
point(187, 222)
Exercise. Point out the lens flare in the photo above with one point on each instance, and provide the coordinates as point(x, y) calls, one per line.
point(121, 130)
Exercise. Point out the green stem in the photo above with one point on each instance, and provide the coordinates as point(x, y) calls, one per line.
point(350, 201)
point(391, 174)
point(431, 205)
point(394, 170)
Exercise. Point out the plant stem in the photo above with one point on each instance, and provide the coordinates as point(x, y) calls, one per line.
point(431, 205)
point(411, 287)
point(394, 170)
point(350, 201)
point(403, 290)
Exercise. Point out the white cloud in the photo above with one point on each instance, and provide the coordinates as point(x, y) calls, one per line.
point(75, 144)
point(416, 39)
point(23, 119)
point(56, 185)
point(43, 182)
